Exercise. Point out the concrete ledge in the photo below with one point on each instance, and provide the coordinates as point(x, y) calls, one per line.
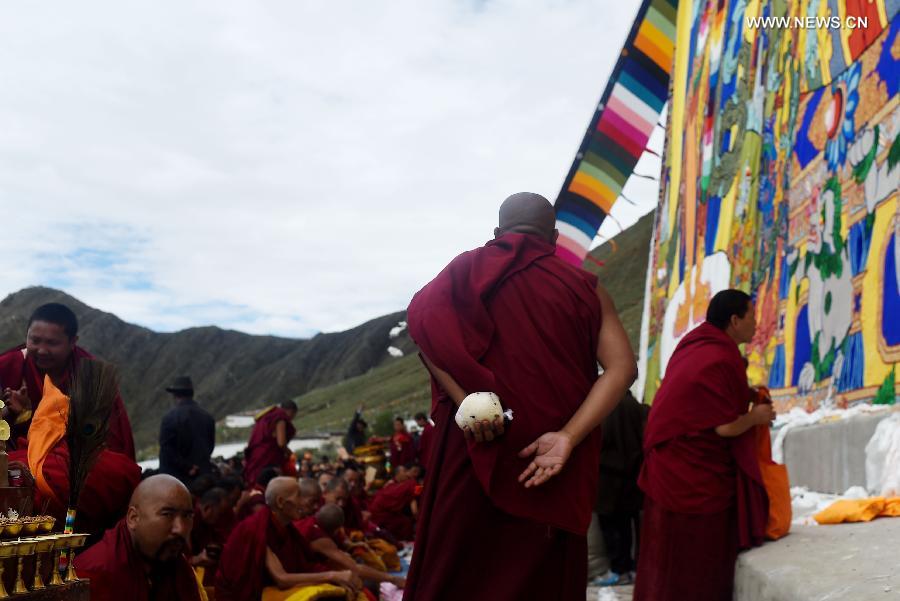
point(830, 457)
point(847, 562)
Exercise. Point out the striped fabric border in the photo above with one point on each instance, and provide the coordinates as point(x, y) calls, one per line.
point(619, 130)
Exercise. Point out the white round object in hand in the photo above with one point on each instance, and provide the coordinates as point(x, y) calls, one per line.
point(478, 406)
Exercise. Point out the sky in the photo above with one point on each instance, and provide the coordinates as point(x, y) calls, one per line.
point(285, 167)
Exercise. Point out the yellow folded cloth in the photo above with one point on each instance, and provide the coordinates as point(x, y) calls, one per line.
point(310, 592)
point(859, 510)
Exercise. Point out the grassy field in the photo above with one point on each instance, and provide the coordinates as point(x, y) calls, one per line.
point(401, 387)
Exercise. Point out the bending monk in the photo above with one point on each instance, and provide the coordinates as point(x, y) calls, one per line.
point(266, 558)
point(324, 534)
point(704, 497)
point(51, 349)
point(395, 507)
point(142, 558)
point(513, 319)
point(268, 446)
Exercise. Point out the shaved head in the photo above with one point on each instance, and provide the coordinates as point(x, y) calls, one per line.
point(330, 517)
point(309, 487)
point(283, 498)
point(160, 518)
point(527, 213)
point(158, 486)
point(281, 486)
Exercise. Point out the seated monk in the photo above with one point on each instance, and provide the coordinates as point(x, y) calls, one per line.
point(50, 349)
point(206, 537)
point(254, 498)
point(356, 513)
point(325, 536)
point(268, 446)
point(338, 492)
point(234, 489)
point(395, 506)
point(266, 559)
point(142, 558)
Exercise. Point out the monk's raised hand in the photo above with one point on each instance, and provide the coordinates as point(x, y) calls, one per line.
point(17, 400)
point(551, 451)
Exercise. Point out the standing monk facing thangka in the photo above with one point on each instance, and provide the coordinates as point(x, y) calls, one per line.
point(505, 509)
point(50, 349)
point(704, 497)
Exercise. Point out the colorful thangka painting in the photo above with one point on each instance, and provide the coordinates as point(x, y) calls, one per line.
point(781, 178)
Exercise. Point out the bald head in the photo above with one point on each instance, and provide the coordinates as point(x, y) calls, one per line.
point(160, 518)
point(330, 517)
point(281, 486)
point(527, 213)
point(155, 487)
point(309, 488)
point(283, 498)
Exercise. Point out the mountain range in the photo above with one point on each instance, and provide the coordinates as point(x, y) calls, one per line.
point(329, 375)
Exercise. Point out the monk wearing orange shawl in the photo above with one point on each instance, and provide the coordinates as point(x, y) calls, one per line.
point(108, 486)
point(505, 509)
point(50, 349)
point(704, 495)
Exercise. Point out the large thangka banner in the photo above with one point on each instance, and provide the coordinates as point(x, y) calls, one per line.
point(781, 178)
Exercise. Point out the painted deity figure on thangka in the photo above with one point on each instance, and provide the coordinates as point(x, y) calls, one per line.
point(781, 178)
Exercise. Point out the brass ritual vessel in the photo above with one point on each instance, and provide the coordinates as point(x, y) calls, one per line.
point(53, 546)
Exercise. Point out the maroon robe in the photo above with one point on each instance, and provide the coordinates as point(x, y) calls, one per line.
point(117, 572)
point(704, 493)
point(16, 369)
point(390, 509)
point(104, 496)
point(353, 516)
point(514, 319)
point(403, 449)
point(425, 441)
point(263, 450)
point(242, 572)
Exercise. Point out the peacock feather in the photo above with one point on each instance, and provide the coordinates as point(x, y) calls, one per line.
point(93, 392)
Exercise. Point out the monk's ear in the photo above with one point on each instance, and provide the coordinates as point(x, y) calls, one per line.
point(497, 232)
point(131, 517)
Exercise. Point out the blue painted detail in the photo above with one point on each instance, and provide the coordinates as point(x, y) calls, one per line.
point(802, 344)
point(776, 373)
point(890, 323)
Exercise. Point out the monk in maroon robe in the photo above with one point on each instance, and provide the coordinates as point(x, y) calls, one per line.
point(325, 535)
point(403, 450)
point(704, 497)
point(505, 510)
point(50, 349)
point(425, 440)
point(207, 536)
point(394, 507)
point(142, 558)
point(268, 446)
point(265, 550)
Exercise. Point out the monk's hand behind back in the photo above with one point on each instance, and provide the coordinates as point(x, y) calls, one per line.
point(485, 431)
point(551, 451)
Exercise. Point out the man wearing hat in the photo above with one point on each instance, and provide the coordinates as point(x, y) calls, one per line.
point(187, 435)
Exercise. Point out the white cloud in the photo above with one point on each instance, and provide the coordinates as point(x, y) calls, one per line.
point(281, 167)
